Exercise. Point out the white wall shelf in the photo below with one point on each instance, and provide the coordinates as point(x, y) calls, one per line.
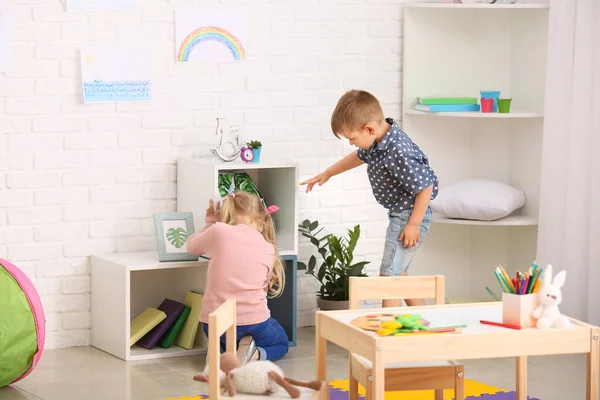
point(277, 181)
point(511, 220)
point(456, 6)
point(456, 50)
point(510, 115)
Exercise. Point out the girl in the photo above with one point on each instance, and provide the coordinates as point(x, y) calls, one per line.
point(239, 237)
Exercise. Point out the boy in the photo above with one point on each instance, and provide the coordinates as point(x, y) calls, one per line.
point(399, 172)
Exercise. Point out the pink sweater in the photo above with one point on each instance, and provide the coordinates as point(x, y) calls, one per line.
point(240, 266)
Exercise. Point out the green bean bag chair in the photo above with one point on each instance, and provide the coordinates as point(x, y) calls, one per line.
point(22, 325)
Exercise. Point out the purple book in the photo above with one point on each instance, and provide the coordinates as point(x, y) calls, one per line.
point(172, 309)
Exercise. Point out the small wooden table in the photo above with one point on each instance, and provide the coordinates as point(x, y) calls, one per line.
point(476, 341)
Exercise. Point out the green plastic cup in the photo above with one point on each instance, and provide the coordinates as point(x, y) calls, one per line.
point(504, 105)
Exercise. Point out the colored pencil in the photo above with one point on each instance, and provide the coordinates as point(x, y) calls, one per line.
point(536, 287)
point(509, 326)
point(447, 327)
point(503, 283)
point(494, 295)
point(512, 288)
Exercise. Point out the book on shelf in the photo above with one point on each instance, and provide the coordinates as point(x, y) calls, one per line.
point(143, 323)
point(169, 338)
point(187, 335)
point(446, 100)
point(172, 309)
point(447, 107)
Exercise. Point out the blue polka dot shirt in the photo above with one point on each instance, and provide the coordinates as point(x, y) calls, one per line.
point(398, 170)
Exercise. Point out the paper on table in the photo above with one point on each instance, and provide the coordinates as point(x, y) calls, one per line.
point(116, 73)
point(102, 5)
point(5, 35)
point(209, 34)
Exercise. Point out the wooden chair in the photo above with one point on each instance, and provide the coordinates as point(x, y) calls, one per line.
point(221, 321)
point(410, 376)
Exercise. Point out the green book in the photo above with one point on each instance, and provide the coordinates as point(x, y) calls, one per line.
point(144, 323)
point(167, 340)
point(446, 100)
point(187, 334)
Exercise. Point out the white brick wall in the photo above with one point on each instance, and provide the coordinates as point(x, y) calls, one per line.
point(81, 179)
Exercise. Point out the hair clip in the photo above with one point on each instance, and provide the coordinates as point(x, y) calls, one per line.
point(231, 190)
point(272, 209)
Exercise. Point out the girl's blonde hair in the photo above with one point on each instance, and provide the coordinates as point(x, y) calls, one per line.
point(244, 203)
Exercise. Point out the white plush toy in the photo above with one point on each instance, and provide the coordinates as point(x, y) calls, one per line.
point(550, 296)
point(256, 377)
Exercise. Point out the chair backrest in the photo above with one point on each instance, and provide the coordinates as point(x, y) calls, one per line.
point(396, 287)
point(220, 321)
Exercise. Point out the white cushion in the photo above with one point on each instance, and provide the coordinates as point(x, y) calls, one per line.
point(478, 199)
point(424, 364)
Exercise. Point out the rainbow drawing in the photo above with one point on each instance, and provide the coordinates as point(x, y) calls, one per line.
point(211, 33)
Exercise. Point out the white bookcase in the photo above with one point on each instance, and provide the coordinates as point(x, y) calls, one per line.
point(124, 285)
point(456, 50)
point(277, 182)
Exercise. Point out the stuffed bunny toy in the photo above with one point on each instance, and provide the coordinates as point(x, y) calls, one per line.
point(549, 297)
point(256, 377)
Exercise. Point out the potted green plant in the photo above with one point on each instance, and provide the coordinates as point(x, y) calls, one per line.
point(337, 265)
point(256, 146)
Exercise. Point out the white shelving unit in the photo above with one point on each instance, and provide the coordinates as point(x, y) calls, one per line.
point(124, 285)
point(276, 180)
point(456, 50)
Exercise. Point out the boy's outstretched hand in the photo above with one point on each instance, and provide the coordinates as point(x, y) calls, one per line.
point(410, 235)
point(321, 179)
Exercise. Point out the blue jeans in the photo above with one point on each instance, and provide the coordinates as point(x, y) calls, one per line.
point(396, 259)
point(270, 338)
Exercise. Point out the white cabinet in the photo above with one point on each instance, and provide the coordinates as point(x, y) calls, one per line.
point(124, 285)
point(197, 183)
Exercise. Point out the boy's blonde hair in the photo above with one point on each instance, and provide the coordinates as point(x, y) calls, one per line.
point(354, 110)
point(247, 204)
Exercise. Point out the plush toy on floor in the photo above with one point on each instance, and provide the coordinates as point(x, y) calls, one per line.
point(256, 377)
point(550, 296)
point(22, 325)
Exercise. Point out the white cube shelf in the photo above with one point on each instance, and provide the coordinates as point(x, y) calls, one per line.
point(124, 285)
point(456, 50)
point(197, 183)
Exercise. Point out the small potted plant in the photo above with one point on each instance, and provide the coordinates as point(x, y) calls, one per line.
point(337, 266)
point(256, 146)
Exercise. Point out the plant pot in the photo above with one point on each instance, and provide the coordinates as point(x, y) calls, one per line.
point(328, 305)
point(256, 154)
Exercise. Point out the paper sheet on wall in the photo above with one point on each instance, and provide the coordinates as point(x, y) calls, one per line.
point(102, 5)
point(5, 35)
point(209, 34)
point(116, 73)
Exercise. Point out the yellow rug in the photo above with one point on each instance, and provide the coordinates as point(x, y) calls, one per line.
point(339, 389)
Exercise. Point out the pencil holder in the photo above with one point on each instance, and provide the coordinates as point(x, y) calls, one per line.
point(517, 309)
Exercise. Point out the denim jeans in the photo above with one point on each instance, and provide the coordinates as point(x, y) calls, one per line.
point(396, 259)
point(270, 338)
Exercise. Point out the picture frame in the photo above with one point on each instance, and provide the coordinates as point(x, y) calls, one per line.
point(172, 231)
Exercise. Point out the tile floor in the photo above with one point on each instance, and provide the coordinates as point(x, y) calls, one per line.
point(85, 373)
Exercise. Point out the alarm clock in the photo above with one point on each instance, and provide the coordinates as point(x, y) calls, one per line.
point(247, 154)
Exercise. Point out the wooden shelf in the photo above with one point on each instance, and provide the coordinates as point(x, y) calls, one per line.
point(511, 220)
point(511, 115)
point(463, 6)
point(138, 353)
